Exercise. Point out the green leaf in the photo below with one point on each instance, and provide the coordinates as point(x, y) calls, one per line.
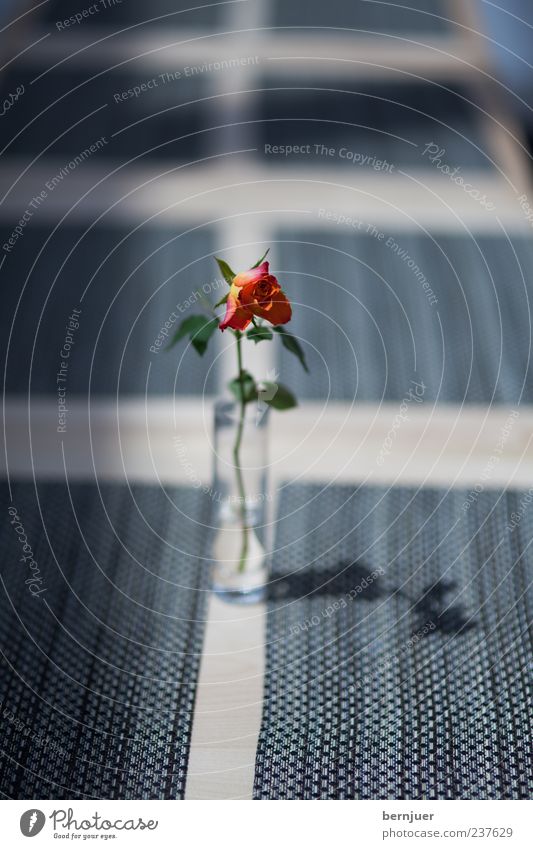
point(245, 389)
point(225, 270)
point(222, 301)
point(202, 336)
point(189, 325)
point(276, 396)
point(199, 328)
point(291, 344)
point(259, 261)
point(259, 333)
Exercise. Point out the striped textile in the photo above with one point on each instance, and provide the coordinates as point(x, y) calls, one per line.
point(398, 656)
point(99, 671)
point(131, 284)
point(366, 315)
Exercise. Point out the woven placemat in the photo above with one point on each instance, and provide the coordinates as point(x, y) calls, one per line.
point(378, 310)
point(398, 656)
point(101, 631)
point(114, 275)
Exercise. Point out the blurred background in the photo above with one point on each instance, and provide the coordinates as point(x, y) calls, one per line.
point(382, 150)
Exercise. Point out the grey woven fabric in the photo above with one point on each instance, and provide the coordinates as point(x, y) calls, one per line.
point(166, 14)
point(356, 126)
point(398, 655)
point(369, 325)
point(131, 283)
point(64, 105)
point(420, 16)
point(99, 671)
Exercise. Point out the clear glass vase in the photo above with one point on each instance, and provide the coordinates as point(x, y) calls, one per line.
point(242, 499)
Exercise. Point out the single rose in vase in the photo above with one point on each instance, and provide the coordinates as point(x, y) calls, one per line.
point(256, 310)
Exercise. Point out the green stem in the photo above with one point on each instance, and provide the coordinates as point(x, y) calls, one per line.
point(237, 460)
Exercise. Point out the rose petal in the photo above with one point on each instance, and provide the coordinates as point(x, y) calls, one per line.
point(251, 294)
point(251, 276)
point(237, 317)
point(279, 311)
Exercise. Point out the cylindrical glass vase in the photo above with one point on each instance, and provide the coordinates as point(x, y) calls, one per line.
point(242, 499)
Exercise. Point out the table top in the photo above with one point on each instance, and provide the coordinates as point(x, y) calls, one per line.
point(442, 446)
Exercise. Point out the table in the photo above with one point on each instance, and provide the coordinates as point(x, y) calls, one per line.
point(440, 445)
